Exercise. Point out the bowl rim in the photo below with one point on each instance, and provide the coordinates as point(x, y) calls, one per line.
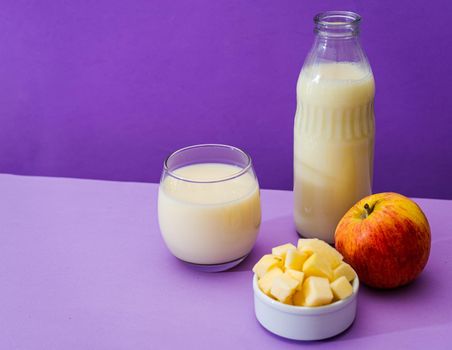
point(305, 310)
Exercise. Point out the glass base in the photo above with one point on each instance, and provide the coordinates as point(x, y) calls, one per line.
point(215, 267)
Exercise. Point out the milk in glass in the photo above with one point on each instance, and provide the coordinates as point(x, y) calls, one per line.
point(205, 222)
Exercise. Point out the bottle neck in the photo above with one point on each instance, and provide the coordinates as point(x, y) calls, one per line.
point(337, 25)
point(343, 41)
point(337, 38)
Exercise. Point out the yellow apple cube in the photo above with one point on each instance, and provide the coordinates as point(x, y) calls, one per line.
point(345, 270)
point(295, 259)
point(289, 301)
point(281, 250)
point(314, 245)
point(298, 298)
point(265, 264)
point(284, 287)
point(298, 275)
point(317, 291)
point(317, 265)
point(341, 288)
point(265, 283)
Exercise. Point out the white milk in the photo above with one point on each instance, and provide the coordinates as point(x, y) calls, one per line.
point(333, 145)
point(209, 223)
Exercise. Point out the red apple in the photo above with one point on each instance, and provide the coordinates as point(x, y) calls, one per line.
point(385, 237)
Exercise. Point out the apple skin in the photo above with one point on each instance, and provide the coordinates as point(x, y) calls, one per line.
point(388, 245)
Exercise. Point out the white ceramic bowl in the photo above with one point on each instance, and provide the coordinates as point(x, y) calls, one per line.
point(303, 322)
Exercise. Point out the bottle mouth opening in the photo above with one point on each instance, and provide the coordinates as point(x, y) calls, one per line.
point(337, 23)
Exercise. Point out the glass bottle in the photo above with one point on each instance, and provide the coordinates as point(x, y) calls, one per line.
point(334, 127)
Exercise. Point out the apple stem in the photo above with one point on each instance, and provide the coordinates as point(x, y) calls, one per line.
point(368, 209)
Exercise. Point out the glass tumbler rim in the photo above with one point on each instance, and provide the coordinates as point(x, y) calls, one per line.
point(242, 171)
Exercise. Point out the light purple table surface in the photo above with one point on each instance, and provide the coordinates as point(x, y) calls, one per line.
point(83, 266)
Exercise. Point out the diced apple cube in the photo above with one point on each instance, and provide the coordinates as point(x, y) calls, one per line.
point(345, 270)
point(295, 259)
point(318, 246)
point(341, 288)
point(284, 287)
point(298, 275)
point(317, 291)
point(265, 283)
point(311, 274)
point(298, 298)
point(317, 265)
point(265, 264)
point(281, 250)
point(289, 301)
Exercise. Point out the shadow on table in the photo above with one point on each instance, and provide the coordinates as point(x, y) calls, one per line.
point(310, 342)
point(384, 312)
point(425, 302)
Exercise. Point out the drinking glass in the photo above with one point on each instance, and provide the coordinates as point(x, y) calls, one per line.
point(209, 206)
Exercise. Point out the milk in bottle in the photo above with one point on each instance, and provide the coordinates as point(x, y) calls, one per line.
point(334, 127)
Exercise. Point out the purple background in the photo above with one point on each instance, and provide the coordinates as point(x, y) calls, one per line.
point(106, 89)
